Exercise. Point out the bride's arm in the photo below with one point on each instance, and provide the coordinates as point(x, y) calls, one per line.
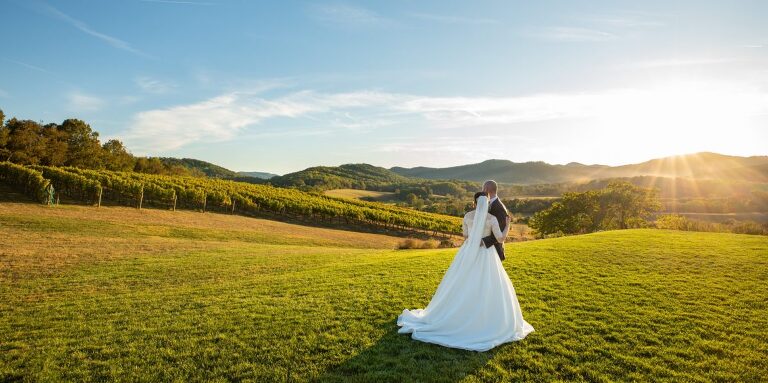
point(464, 227)
point(500, 235)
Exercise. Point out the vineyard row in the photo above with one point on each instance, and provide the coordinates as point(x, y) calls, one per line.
point(208, 194)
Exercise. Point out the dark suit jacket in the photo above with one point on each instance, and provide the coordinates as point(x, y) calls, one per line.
point(497, 210)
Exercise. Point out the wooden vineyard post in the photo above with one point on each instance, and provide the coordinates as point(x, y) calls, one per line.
point(98, 204)
point(141, 196)
point(174, 200)
point(205, 201)
point(233, 206)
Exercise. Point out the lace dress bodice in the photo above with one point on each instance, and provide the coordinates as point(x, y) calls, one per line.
point(491, 226)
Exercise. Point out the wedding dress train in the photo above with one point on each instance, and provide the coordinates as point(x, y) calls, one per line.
point(475, 306)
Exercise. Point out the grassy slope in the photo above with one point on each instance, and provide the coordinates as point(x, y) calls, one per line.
point(358, 194)
point(89, 294)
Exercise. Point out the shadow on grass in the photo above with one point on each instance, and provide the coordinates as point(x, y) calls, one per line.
point(398, 358)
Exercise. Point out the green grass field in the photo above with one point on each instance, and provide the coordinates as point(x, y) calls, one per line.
point(92, 294)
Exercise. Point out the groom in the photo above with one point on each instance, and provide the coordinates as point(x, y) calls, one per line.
point(498, 210)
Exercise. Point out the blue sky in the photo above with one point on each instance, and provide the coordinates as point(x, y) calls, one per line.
point(280, 86)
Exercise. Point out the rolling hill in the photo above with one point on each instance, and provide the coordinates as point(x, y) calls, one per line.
point(213, 170)
point(260, 175)
point(506, 171)
point(349, 176)
point(112, 293)
point(704, 165)
point(551, 179)
point(209, 169)
point(728, 183)
point(699, 165)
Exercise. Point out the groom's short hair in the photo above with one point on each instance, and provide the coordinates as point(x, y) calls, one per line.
point(491, 185)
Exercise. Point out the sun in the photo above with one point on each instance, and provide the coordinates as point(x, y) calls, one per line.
point(681, 117)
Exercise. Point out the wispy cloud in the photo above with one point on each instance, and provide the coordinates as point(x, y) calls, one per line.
point(226, 116)
point(455, 145)
point(448, 19)
point(79, 101)
point(222, 117)
point(572, 34)
point(83, 27)
point(236, 114)
point(4, 94)
point(345, 15)
point(151, 85)
point(599, 27)
point(29, 66)
point(466, 111)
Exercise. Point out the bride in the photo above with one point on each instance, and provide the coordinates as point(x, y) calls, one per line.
point(475, 306)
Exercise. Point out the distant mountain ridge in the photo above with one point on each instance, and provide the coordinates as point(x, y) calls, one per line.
point(533, 172)
point(704, 165)
point(260, 175)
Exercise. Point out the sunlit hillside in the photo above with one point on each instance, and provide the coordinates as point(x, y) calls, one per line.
point(704, 166)
point(698, 165)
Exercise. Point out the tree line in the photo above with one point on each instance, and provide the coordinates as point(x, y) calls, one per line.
point(74, 143)
point(620, 205)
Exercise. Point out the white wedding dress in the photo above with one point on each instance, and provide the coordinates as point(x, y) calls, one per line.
point(475, 306)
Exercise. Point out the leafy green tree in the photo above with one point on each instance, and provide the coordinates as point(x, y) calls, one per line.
point(448, 189)
point(55, 146)
point(672, 222)
point(84, 149)
point(625, 205)
point(4, 138)
point(547, 222)
point(117, 157)
point(574, 214)
point(528, 205)
point(411, 198)
point(455, 208)
point(620, 205)
point(25, 143)
point(151, 165)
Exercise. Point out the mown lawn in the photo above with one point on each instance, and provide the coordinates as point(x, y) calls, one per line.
point(129, 296)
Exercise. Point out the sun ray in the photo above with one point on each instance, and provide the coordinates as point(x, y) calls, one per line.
point(683, 162)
